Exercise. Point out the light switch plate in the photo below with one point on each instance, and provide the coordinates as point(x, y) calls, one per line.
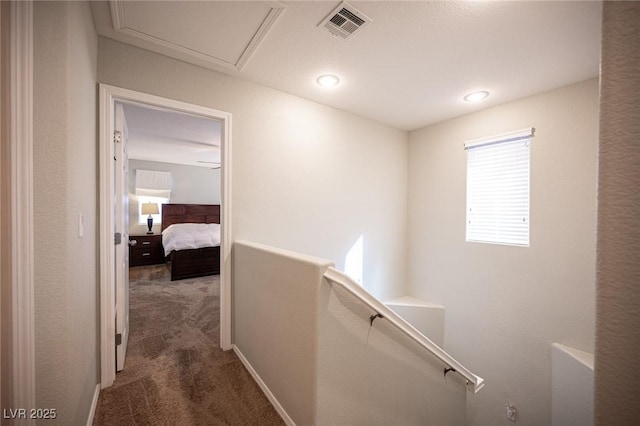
point(80, 225)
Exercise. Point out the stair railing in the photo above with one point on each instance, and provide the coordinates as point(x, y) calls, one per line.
point(474, 382)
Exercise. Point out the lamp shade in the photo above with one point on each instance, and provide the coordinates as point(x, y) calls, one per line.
point(150, 208)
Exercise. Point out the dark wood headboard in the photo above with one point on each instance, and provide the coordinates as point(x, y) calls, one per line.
point(189, 213)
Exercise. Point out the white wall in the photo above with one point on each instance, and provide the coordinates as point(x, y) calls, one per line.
point(306, 177)
point(274, 319)
point(65, 186)
point(312, 345)
point(189, 185)
point(506, 305)
point(571, 387)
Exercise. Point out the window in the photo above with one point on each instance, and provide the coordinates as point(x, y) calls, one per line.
point(152, 187)
point(498, 189)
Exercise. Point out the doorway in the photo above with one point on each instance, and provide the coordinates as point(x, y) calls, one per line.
point(109, 97)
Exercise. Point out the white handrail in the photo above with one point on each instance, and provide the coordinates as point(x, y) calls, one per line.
point(474, 383)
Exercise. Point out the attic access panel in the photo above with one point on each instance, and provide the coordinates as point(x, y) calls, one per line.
point(217, 33)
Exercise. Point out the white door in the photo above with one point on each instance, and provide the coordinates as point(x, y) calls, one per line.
point(121, 204)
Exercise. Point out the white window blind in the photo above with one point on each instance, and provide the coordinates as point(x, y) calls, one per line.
point(151, 183)
point(498, 189)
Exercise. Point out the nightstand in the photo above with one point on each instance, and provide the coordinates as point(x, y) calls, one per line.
point(146, 251)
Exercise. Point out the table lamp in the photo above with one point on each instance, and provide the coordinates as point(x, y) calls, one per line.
point(150, 208)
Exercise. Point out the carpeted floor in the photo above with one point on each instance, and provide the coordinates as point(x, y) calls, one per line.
point(175, 373)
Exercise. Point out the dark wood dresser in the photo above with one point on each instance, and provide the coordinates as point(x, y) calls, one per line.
point(146, 251)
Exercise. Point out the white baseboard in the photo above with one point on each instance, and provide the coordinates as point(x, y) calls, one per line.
point(94, 404)
point(276, 404)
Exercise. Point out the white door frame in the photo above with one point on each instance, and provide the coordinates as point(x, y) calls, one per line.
point(18, 332)
point(108, 96)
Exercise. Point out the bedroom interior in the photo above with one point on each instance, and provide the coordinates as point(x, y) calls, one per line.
point(174, 166)
point(308, 178)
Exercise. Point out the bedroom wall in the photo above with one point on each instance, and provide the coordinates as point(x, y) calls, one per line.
point(505, 305)
point(65, 186)
point(189, 184)
point(306, 177)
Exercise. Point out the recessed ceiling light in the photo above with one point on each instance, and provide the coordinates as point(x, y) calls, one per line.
point(476, 96)
point(328, 80)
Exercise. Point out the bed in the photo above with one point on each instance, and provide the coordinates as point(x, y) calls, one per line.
point(191, 262)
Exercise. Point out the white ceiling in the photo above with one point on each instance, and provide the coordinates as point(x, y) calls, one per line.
point(408, 68)
point(172, 137)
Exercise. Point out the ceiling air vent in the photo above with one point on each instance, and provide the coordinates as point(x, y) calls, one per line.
point(345, 21)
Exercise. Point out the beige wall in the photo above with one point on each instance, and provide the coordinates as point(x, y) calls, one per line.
point(5, 236)
point(617, 379)
point(312, 344)
point(306, 177)
point(274, 321)
point(65, 167)
point(505, 305)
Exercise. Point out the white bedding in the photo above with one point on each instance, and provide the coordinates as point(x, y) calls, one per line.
point(183, 236)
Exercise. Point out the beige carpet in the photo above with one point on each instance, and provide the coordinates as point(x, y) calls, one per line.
point(175, 373)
